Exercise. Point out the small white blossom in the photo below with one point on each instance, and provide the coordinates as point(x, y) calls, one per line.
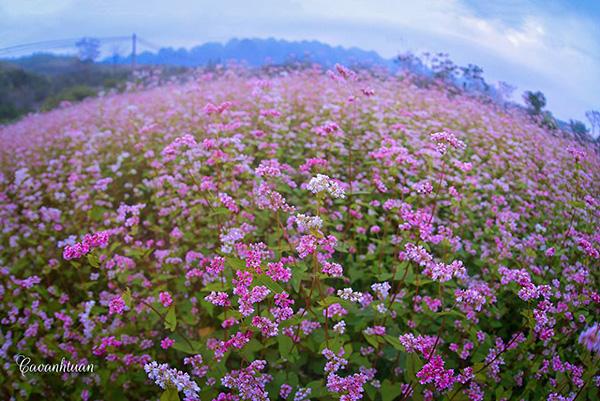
point(340, 327)
point(322, 183)
point(349, 294)
point(309, 222)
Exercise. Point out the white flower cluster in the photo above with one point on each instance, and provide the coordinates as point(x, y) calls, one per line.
point(309, 222)
point(164, 376)
point(382, 290)
point(348, 294)
point(340, 327)
point(322, 183)
point(381, 308)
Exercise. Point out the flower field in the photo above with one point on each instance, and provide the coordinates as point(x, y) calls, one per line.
point(299, 236)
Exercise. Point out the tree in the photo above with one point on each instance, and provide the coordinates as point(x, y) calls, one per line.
point(535, 101)
point(579, 130)
point(88, 48)
point(473, 78)
point(505, 91)
point(594, 118)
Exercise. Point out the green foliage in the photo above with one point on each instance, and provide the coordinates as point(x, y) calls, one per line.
point(71, 94)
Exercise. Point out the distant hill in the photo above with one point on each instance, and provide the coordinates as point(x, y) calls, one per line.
point(258, 52)
point(42, 81)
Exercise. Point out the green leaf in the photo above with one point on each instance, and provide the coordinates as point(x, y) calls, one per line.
point(171, 319)
point(394, 342)
point(296, 280)
point(285, 345)
point(127, 298)
point(318, 388)
point(413, 365)
point(390, 390)
point(183, 346)
point(371, 340)
point(236, 264)
point(269, 283)
point(93, 260)
point(219, 211)
point(96, 213)
point(170, 394)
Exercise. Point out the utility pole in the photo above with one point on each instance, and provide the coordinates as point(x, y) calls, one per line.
point(133, 47)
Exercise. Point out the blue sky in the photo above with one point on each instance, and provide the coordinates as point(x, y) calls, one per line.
point(550, 45)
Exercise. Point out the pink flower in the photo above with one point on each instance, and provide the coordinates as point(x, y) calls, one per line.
point(278, 272)
point(332, 269)
point(590, 338)
point(216, 266)
point(166, 343)
point(445, 138)
point(165, 299)
point(434, 372)
point(116, 305)
point(306, 246)
point(218, 298)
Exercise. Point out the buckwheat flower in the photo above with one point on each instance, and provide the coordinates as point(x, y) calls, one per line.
point(382, 290)
point(312, 162)
point(249, 382)
point(576, 153)
point(348, 294)
point(266, 326)
point(165, 299)
point(96, 240)
point(218, 298)
point(368, 92)
point(340, 327)
point(351, 387)
point(375, 331)
point(475, 393)
point(228, 202)
point(197, 364)
point(332, 269)
point(165, 377)
point(328, 128)
point(75, 251)
point(132, 211)
point(166, 343)
point(259, 293)
point(423, 187)
point(322, 183)
point(442, 139)
point(216, 266)
point(334, 362)
point(345, 73)
point(285, 390)
point(306, 246)
point(269, 168)
point(309, 222)
point(302, 393)
point(442, 272)
point(335, 310)
point(216, 109)
point(381, 308)
point(417, 254)
point(422, 344)
point(116, 305)
point(434, 372)
point(278, 272)
point(590, 338)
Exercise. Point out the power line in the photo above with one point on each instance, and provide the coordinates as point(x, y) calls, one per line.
point(71, 42)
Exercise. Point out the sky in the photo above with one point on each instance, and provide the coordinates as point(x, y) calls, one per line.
point(547, 45)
